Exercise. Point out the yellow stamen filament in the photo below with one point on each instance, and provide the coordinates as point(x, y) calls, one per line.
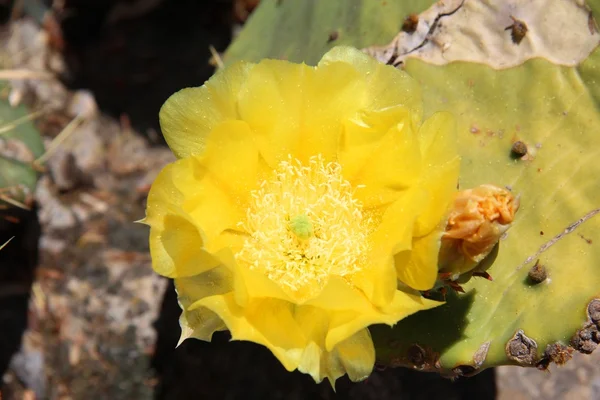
point(305, 226)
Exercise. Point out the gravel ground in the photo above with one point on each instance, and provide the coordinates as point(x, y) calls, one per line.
point(579, 379)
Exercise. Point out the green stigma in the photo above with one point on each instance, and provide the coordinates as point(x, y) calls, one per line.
point(301, 226)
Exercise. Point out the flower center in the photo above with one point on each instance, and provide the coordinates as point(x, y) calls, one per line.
point(302, 227)
point(305, 226)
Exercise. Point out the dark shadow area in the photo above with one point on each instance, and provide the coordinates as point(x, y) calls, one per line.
point(243, 370)
point(133, 63)
point(18, 261)
point(5, 12)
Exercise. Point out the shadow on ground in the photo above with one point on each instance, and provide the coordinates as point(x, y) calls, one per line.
point(133, 65)
point(18, 261)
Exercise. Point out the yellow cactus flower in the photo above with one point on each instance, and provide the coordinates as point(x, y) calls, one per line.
point(301, 198)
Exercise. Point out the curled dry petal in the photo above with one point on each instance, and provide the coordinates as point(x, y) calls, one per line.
point(477, 220)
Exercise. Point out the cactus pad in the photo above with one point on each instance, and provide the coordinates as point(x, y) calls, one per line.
point(304, 30)
point(20, 145)
point(515, 319)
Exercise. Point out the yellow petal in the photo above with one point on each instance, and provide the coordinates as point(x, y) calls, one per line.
point(201, 322)
point(218, 280)
point(232, 158)
point(391, 168)
point(265, 321)
point(229, 169)
point(209, 202)
point(295, 109)
point(438, 145)
point(405, 304)
point(311, 362)
point(188, 210)
point(438, 139)
point(315, 360)
point(340, 294)
point(271, 103)
point(346, 324)
point(176, 248)
point(378, 281)
point(439, 185)
point(188, 116)
point(213, 209)
point(395, 231)
point(334, 93)
point(251, 284)
point(354, 356)
point(357, 356)
point(386, 86)
point(313, 322)
point(295, 335)
point(362, 134)
point(418, 267)
point(176, 241)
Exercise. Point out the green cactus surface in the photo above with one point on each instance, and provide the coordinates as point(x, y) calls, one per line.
point(544, 300)
point(20, 145)
point(304, 30)
point(550, 109)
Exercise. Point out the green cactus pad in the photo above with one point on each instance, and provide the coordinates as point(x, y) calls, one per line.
point(544, 300)
point(552, 111)
point(304, 30)
point(20, 144)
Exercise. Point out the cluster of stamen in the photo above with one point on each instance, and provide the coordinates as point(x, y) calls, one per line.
point(304, 226)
